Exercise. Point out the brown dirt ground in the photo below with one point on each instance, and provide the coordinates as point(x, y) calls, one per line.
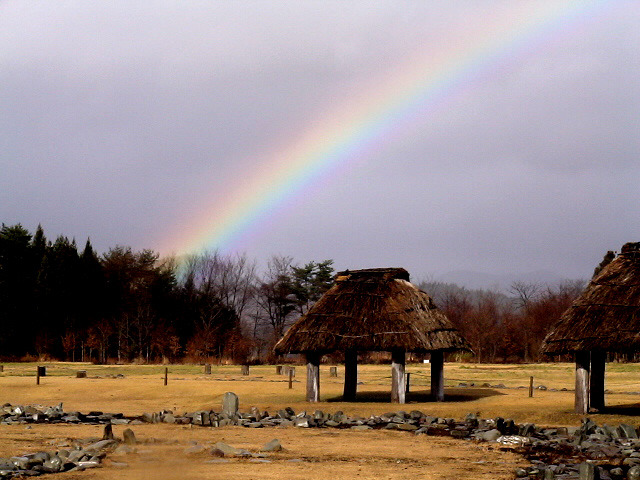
point(308, 455)
point(325, 453)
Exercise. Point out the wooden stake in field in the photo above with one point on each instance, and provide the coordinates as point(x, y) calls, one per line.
point(407, 382)
point(290, 378)
point(530, 387)
point(37, 375)
point(313, 377)
point(166, 375)
point(397, 376)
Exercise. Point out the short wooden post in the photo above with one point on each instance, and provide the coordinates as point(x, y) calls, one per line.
point(245, 370)
point(37, 375)
point(350, 375)
point(207, 369)
point(166, 375)
point(313, 377)
point(333, 371)
point(1, 368)
point(583, 367)
point(81, 374)
point(437, 375)
point(530, 387)
point(292, 371)
point(278, 369)
point(596, 380)
point(290, 378)
point(407, 383)
point(397, 376)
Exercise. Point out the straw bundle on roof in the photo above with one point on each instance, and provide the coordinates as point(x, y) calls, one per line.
point(606, 316)
point(372, 310)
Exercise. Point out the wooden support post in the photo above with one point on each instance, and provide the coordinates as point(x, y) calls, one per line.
point(1, 368)
point(596, 380)
point(530, 387)
point(407, 383)
point(37, 375)
point(290, 378)
point(313, 377)
point(350, 375)
point(245, 370)
point(437, 376)
point(166, 375)
point(397, 376)
point(333, 371)
point(583, 367)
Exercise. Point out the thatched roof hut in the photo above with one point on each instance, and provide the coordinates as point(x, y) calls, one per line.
point(374, 310)
point(604, 318)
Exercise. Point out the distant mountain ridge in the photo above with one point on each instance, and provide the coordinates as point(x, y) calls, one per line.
point(498, 282)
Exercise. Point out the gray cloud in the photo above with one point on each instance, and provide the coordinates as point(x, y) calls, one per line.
point(124, 120)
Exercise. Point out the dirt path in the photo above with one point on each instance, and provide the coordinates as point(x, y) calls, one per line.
point(310, 454)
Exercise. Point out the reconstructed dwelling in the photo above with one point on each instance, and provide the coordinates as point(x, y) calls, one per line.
point(604, 318)
point(373, 310)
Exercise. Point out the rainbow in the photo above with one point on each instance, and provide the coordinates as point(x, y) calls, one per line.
point(385, 113)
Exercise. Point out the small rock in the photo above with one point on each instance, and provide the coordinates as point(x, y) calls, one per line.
point(407, 427)
point(88, 464)
point(634, 473)
point(490, 436)
point(129, 437)
point(216, 452)
point(272, 446)
point(588, 471)
point(194, 449)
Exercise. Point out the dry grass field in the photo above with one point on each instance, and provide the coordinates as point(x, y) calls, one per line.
point(309, 453)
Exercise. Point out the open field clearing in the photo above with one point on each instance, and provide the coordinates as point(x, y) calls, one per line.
point(309, 453)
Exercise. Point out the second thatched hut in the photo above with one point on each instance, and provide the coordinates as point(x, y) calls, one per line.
point(373, 310)
point(604, 318)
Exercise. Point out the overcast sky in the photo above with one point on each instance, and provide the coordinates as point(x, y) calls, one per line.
point(123, 121)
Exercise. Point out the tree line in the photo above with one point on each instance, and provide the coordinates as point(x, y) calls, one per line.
point(505, 327)
point(63, 302)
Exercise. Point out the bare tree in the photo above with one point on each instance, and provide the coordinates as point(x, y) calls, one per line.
point(275, 295)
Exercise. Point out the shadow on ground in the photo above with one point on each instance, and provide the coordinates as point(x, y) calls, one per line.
point(454, 395)
point(628, 409)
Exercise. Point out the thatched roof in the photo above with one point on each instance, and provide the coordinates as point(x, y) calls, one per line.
point(606, 316)
point(372, 310)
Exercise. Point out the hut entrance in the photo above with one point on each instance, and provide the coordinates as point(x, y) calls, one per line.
point(604, 318)
point(373, 310)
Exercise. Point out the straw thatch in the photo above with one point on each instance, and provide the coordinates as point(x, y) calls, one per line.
point(372, 310)
point(606, 316)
